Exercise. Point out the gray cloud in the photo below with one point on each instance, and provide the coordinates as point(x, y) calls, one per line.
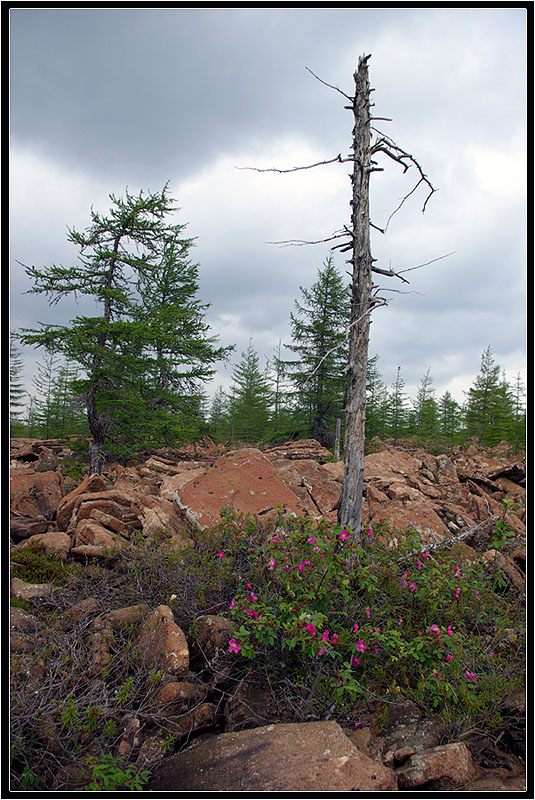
point(106, 98)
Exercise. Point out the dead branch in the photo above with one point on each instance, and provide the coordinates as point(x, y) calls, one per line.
point(336, 160)
point(330, 86)
point(439, 258)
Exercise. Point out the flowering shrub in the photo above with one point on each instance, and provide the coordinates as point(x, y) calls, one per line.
point(354, 620)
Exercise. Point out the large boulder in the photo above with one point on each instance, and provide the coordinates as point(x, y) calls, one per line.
point(244, 480)
point(300, 757)
point(34, 494)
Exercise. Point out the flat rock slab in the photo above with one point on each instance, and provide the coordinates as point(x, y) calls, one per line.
point(244, 480)
point(300, 757)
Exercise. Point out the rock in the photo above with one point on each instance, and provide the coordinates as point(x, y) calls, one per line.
point(184, 472)
point(131, 736)
point(201, 718)
point(174, 697)
point(36, 494)
point(77, 613)
point(24, 527)
point(117, 503)
point(30, 591)
point(508, 567)
point(213, 635)
point(160, 516)
point(151, 752)
point(323, 490)
point(300, 757)
point(495, 783)
point(248, 706)
point(90, 532)
point(407, 726)
point(447, 767)
point(89, 484)
point(162, 643)
point(303, 449)
point(420, 515)
point(20, 620)
point(244, 480)
point(50, 544)
point(114, 524)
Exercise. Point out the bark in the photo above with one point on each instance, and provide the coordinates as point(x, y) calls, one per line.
point(350, 510)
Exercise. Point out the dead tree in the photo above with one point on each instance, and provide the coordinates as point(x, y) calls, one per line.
point(365, 295)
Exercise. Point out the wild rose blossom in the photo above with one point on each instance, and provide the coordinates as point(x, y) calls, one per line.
point(360, 646)
point(234, 646)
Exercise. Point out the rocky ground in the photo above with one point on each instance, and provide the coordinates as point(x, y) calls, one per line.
point(172, 494)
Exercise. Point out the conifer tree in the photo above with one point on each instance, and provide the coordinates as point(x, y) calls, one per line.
point(480, 407)
point(397, 414)
point(130, 357)
point(17, 392)
point(376, 401)
point(425, 408)
point(250, 399)
point(319, 340)
point(448, 417)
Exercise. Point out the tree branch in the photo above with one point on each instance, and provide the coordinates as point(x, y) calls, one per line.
point(336, 160)
point(330, 86)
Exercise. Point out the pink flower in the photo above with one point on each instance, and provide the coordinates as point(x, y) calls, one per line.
point(310, 628)
point(434, 629)
point(449, 631)
point(221, 554)
point(400, 620)
point(426, 555)
point(457, 591)
point(271, 563)
point(449, 657)
point(360, 646)
point(476, 593)
point(312, 539)
point(343, 536)
point(419, 565)
point(356, 627)
point(355, 662)
point(368, 612)
point(321, 652)
point(325, 636)
point(250, 612)
point(334, 639)
point(232, 603)
point(370, 531)
point(470, 676)
point(254, 598)
point(458, 572)
point(234, 646)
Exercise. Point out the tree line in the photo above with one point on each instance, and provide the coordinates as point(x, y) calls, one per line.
point(133, 375)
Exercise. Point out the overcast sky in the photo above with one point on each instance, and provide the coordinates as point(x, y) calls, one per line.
point(107, 98)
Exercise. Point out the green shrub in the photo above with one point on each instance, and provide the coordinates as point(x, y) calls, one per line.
point(36, 567)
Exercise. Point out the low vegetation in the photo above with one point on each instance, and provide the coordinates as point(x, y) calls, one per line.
point(329, 628)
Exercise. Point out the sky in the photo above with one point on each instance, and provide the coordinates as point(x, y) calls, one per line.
point(108, 98)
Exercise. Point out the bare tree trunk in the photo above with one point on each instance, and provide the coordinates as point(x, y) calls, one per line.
point(350, 510)
point(337, 439)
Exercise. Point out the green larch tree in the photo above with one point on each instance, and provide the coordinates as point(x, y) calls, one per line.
point(250, 399)
point(121, 255)
point(319, 340)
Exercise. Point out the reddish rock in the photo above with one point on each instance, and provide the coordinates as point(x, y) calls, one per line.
point(57, 544)
point(90, 532)
point(160, 516)
point(308, 449)
point(89, 484)
point(416, 514)
point(174, 697)
point(36, 493)
point(447, 767)
point(171, 483)
point(162, 643)
point(307, 757)
point(30, 591)
point(244, 480)
point(213, 635)
point(323, 492)
point(24, 527)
